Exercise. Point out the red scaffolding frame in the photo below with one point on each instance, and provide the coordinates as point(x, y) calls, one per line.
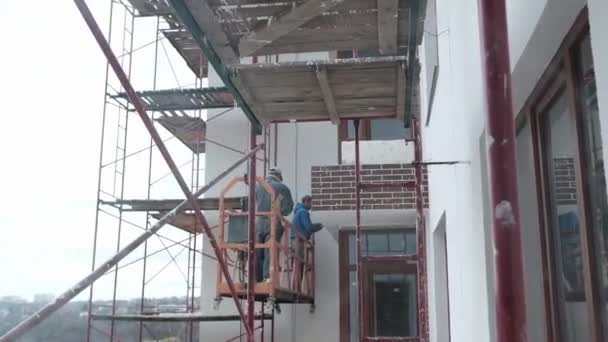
point(510, 295)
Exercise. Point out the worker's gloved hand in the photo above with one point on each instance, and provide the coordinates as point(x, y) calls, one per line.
point(317, 226)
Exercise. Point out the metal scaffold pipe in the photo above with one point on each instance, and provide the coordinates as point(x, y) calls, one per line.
point(65, 297)
point(251, 241)
point(139, 107)
point(358, 237)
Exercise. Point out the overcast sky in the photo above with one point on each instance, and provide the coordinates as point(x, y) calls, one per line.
point(51, 87)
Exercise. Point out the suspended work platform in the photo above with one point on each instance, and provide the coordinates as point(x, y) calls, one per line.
point(292, 274)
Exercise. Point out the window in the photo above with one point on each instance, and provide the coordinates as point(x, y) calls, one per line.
point(563, 217)
point(389, 289)
point(572, 193)
point(376, 129)
point(441, 281)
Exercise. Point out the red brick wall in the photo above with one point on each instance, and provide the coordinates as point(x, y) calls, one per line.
point(565, 181)
point(333, 187)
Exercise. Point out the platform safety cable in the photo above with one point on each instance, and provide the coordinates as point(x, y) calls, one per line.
point(162, 44)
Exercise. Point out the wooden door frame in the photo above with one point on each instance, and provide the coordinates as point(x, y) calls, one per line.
point(372, 267)
point(344, 268)
point(344, 285)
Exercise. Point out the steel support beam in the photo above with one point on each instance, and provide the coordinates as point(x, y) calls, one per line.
point(139, 107)
point(500, 128)
point(423, 312)
point(262, 324)
point(358, 235)
point(251, 269)
point(65, 297)
point(185, 16)
point(413, 68)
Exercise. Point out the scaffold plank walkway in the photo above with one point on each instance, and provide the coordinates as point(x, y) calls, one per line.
point(172, 100)
point(185, 317)
point(230, 203)
point(191, 131)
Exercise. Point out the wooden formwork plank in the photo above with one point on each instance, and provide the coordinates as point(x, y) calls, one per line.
point(388, 17)
point(285, 24)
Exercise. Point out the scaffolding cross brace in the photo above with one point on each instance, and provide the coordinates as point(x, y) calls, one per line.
point(139, 107)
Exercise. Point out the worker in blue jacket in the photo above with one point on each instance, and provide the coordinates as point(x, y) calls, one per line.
point(301, 219)
point(303, 226)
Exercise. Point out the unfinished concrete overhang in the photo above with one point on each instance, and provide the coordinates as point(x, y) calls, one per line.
point(331, 90)
point(226, 31)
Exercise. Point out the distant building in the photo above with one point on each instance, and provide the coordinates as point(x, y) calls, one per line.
point(12, 299)
point(44, 298)
point(4, 313)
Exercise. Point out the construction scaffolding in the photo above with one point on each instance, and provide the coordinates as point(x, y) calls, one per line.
point(223, 34)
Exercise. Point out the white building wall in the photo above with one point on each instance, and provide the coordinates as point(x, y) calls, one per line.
point(599, 42)
point(456, 132)
point(300, 146)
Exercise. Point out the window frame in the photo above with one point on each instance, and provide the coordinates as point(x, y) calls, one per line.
point(395, 267)
point(560, 79)
point(345, 267)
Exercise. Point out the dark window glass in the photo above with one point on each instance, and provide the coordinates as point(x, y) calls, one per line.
point(392, 299)
point(382, 242)
point(387, 129)
point(393, 304)
point(559, 140)
point(350, 130)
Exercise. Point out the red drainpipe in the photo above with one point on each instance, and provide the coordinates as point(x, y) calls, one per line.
point(500, 126)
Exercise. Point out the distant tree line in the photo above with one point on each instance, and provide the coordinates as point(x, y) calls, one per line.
point(69, 324)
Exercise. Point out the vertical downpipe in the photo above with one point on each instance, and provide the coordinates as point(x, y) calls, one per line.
point(510, 296)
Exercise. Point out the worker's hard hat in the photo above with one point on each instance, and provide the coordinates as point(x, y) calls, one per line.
point(275, 171)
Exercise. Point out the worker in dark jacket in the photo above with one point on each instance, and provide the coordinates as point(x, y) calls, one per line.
point(304, 227)
point(262, 224)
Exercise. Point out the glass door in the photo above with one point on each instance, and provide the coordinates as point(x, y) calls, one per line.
point(572, 193)
point(563, 215)
point(390, 291)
